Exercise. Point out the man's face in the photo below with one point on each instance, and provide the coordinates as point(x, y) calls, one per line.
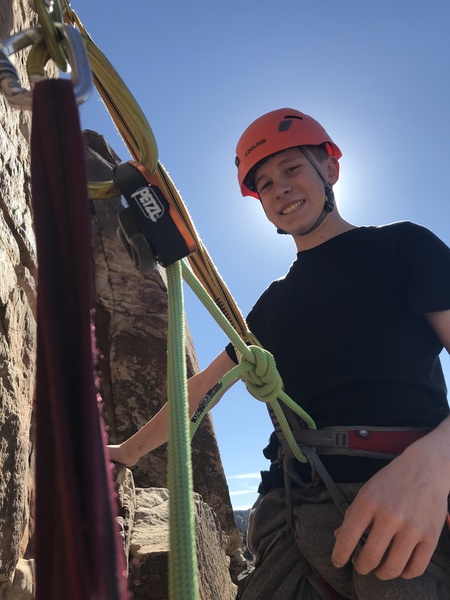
point(291, 191)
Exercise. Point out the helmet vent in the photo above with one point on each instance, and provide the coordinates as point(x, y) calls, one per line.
point(287, 121)
point(284, 125)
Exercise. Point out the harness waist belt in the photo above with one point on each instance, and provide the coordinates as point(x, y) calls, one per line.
point(372, 442)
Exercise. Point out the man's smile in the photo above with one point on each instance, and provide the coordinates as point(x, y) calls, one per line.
point(292, 207)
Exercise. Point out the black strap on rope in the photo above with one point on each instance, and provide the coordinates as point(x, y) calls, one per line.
point(77, 545)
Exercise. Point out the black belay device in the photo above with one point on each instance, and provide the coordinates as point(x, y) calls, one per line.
point(150, 228)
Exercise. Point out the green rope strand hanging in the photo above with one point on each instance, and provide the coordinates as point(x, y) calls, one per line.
point(183, 584)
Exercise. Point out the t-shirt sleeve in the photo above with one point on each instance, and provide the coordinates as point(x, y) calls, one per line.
point(425, 266)
point(252, 319)
point(229, 349)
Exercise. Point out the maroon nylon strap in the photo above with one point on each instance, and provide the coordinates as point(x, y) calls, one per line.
point(78, 549)
point(386, 442)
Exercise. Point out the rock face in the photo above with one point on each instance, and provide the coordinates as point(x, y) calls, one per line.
point(22, 585)
point(150, 545)
point(17, 323)
point(145, 529)
point(147, 546)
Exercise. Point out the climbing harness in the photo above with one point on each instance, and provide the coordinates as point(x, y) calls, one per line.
point(371, 442)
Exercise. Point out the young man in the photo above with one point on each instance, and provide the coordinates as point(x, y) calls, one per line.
point(356, 327)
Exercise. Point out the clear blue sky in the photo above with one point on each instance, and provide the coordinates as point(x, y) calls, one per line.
point(376, 75)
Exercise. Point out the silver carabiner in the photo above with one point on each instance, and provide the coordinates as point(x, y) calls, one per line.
point(81, 75)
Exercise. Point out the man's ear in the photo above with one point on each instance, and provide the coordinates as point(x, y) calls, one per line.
point(332, 170)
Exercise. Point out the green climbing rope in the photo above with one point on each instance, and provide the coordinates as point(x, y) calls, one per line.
point(183, 583)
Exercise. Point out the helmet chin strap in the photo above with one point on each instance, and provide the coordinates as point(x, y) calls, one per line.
point(329, 197)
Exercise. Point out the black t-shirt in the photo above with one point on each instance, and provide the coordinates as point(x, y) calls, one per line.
point(347, 329)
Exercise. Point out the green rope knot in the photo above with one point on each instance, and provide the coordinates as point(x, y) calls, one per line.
point(262, 378)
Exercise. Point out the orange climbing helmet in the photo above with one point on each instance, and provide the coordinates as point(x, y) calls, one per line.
point(276, 131)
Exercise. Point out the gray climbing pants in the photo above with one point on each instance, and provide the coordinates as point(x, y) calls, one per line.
point(292, 563)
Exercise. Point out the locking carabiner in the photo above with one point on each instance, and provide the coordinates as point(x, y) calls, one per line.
point(10, 85)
